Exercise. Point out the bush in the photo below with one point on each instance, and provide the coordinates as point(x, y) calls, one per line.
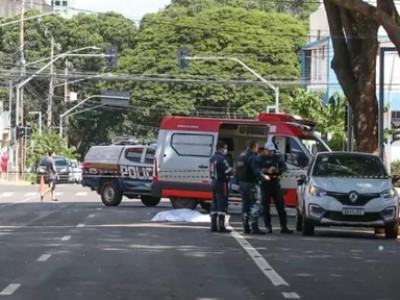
point(395, 167)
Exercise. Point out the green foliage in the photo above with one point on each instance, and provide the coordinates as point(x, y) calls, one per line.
point(38, 146)
point(395, 167)
point(329, 116)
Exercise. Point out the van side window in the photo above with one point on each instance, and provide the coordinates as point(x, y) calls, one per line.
point(188, 144)
point(149, 158)
point(134, 154)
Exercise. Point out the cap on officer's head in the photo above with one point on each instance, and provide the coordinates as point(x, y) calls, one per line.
point(270, 146)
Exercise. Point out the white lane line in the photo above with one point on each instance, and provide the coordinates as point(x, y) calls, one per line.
point(91, 216)
point(58, 193)
point(6, 194)
point(66, 238)
point(18, 202)
point(81, 194)
point(31, 194)
point(80, 225)
point(99, 208)
point(291, 295)
point(10, 289)
point(264, 266)
point(44, 257)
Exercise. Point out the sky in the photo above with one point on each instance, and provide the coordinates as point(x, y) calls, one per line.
point(133, 9)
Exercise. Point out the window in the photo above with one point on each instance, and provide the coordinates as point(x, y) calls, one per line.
point(65, 3)
point(57, 3)
point(149, 158)
point(187, 144)
point(134, 154)
point(294, 154)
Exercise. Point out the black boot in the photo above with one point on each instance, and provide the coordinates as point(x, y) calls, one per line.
point(221, 223)
point(246, 227)
point(214, 227)
point(255, 229)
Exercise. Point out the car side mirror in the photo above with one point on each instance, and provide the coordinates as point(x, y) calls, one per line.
point(396, 180)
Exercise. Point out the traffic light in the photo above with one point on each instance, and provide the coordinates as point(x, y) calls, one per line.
point(396, 133)
point(24, 132)
point(111, 57)
point(182, 62)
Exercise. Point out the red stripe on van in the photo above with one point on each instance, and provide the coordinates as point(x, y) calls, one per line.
point(201, 124)
point(186, 194)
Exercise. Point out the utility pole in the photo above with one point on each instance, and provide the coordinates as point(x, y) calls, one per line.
point(21, 106)
point(51, 87)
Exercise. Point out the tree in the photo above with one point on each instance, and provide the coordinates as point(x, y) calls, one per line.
point(354, 25)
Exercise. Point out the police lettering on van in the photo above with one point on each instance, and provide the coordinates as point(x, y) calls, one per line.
point(185, 145)
point(120, 170)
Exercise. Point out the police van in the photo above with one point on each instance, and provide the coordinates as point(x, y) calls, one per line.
point(120, 170)
point(185, 145)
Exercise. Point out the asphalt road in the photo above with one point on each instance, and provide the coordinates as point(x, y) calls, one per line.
point(79, 249)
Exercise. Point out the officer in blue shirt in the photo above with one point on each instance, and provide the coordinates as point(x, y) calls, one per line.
point(220, 173)
point(272, 165)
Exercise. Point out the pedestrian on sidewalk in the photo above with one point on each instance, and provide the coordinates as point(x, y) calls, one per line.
point(220, 173)
point(249, 174)
point(52, 176)
point(273, 166)
point(4, 162)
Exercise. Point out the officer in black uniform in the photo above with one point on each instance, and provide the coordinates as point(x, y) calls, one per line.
point(220, 173)
point(272, 165)
point(248, 173)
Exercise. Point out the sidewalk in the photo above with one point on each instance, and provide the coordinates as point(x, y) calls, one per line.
point(12, 179)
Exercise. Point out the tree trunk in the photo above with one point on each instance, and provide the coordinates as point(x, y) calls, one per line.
point(354, 62)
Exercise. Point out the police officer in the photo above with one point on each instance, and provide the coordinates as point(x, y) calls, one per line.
point(272, 165)
point(248, 173)
point(220, 172)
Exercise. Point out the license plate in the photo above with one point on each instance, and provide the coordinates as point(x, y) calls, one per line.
point(353, 211)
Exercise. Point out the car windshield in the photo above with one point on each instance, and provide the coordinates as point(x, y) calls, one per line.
point(313, 145)
point(58, 160)
point(348, 165)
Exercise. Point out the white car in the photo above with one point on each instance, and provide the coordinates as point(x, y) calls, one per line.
point(76, 174)
point(347, 189)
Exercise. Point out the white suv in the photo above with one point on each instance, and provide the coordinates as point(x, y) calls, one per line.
point(347, 189)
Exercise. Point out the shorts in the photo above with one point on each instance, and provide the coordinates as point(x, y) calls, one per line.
point(52, 184)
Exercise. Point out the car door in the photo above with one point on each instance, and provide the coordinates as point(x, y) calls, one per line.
point(133, 169)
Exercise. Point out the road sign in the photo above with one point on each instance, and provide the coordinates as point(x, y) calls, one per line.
point(115, 98)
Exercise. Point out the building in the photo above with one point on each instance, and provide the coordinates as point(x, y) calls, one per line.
point(13, 7)
point(317, 74)
point(65, 8)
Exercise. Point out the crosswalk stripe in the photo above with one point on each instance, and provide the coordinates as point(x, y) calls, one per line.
point(30, 194)
point(6, 194)
point(81, 194)
point(58, 193)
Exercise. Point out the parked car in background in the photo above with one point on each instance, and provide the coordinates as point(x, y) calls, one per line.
point(76, 174)
point(347, 189)
point(63, 167)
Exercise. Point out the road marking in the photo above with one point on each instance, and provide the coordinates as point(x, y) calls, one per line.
point(44, 257)
point(6, 194)
point(17, 202)
point(99, 208)
point(81, 194)
point(10, 289)
point(291, 295)
point(80, 225)
point(91, 216)
point(58, 193)
point(30, 194)
point(264, 266)
point(66, 238)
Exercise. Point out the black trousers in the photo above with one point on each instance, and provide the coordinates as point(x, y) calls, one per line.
point(273, 190)
point(220, 196)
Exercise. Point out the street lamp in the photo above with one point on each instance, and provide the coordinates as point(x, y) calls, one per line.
point(40, 119)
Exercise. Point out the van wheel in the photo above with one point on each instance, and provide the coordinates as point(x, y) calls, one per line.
point(110, 196)
point(299, 220)
point(149, 201)
point(183, 203)
point(391, 230)
point(205, 205)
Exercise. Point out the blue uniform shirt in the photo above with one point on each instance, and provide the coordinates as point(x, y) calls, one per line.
point(219, 167)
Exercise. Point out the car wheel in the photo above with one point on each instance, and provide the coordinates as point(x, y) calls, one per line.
point(308, 227)
point(205, 205)
point(299, 220)
point(183, 203)
point(391, 230)
point(110, 195)
point(150, 201)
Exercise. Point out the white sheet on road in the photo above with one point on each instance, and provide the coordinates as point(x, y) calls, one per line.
point(181, 215)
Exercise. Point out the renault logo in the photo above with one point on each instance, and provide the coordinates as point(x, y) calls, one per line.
point(353, 197)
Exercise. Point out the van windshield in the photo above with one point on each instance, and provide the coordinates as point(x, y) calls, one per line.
point(313, 144)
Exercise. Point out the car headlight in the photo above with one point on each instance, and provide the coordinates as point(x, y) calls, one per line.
point(389, 213)
point(316, 191)
point(390, 193)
